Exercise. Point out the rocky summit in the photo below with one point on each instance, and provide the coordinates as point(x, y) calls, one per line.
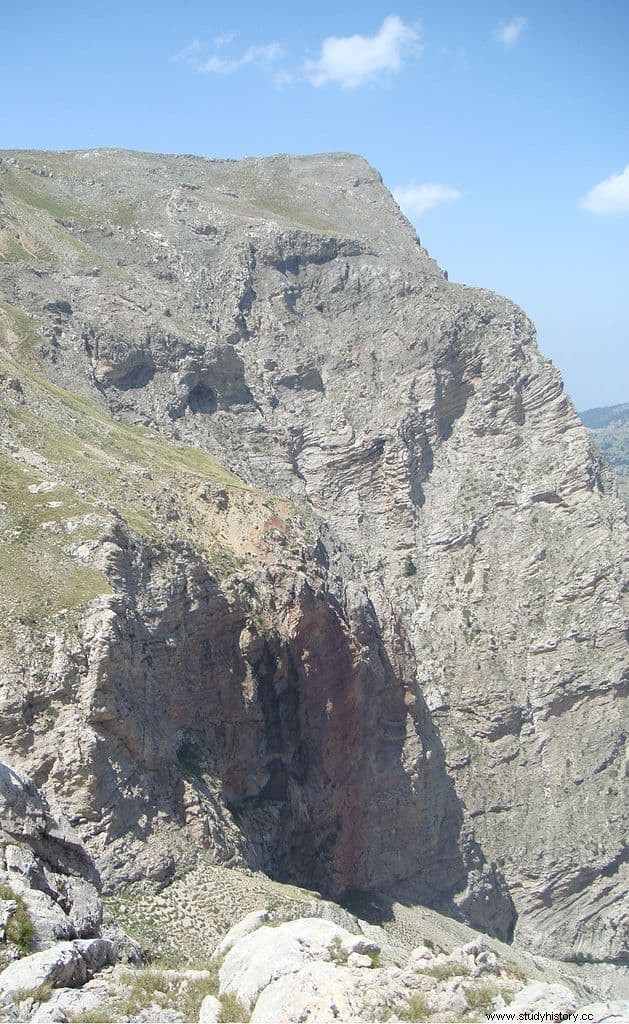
point(309, 573)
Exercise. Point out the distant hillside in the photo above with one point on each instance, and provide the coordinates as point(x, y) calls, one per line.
point(609, 427)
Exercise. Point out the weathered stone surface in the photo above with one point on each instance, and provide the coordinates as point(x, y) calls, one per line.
point(210, 1010)
point(541, 996)
point(66, 964)
point(268, 953)
point(317, 992)
point(43, 860)
point(406, 672)
point(248, 924)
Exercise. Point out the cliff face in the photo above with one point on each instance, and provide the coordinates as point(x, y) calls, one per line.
point(308, 559)
point(609, 429)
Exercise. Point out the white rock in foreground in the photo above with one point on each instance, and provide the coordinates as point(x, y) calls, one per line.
point(268, 953)
point(65, 965)
point(540, 996)
point(210, 1010)
point(317, 992)
point(248, 924)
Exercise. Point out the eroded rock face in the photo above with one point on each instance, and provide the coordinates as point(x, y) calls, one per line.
point(43, 860)
point(418, 689)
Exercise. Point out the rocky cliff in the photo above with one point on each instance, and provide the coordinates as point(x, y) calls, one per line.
point(609, 429)
point(308, 562)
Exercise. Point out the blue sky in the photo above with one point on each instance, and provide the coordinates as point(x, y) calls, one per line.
point(515, 113)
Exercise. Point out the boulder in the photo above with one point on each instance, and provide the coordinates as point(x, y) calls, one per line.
point(540, 996)
point(65, 965)
point(244, 927)
point(359, 960)
point(268, 953)
point(209, 1011)
point(317, 992)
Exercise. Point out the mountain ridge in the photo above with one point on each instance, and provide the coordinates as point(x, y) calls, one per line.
point(388, 583)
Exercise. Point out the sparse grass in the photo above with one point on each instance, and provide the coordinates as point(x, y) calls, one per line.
point(481, 996)
point(14, 252)
point(339, 955)
point(232, 1011)
point(124, 215)
point(24, 327)
point(196, 992)
point(443, 972)
point(40, 994)
point(48, 718)
point(517, 972)
point(148, 985)
point(38, 201)
point(37, 576)
point(20, 929)
point(417, 1009)
point(95, 457)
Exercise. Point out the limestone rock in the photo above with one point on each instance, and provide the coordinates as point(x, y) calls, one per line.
point(65, 964)
point(248, 924)
point(395, 617)
point(317, 992)
point(43, 860)
point(210, 1010)
point(269, 953)
point(541, 996)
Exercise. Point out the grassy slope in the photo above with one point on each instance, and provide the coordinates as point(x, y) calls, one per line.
point(67, 471)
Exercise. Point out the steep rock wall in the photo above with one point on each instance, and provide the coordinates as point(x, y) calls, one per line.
point(281, 315)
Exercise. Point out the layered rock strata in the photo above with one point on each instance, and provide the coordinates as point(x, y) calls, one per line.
point(386, 650)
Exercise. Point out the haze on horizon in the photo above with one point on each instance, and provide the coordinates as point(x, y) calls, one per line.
point(502, 131)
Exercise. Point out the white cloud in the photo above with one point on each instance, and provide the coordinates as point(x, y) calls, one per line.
point(189, 53)
point(415, 200)
point(609, 196)
point(223, 65)
point(351, 61)
point(252, 55)
point(510, 32)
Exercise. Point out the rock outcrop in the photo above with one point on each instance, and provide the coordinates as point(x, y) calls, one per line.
point(318, 571)
point(43, 861)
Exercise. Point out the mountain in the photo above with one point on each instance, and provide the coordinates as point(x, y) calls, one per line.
point(609, 429)
point(309, 566)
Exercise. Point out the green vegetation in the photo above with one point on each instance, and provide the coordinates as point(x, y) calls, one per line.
point(37, 575)
point(40, 994)
point(167, 989)
point(48, 718)
point(14, 252)
point(23, 326)
point(38, 201)
point(82, 459)
point(609, 429)
point(232, 1010)
point(481, 996)
point(338, 954)
point(418, 1008)
point(20, 930)
point(442, 972)
point(410, 569)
